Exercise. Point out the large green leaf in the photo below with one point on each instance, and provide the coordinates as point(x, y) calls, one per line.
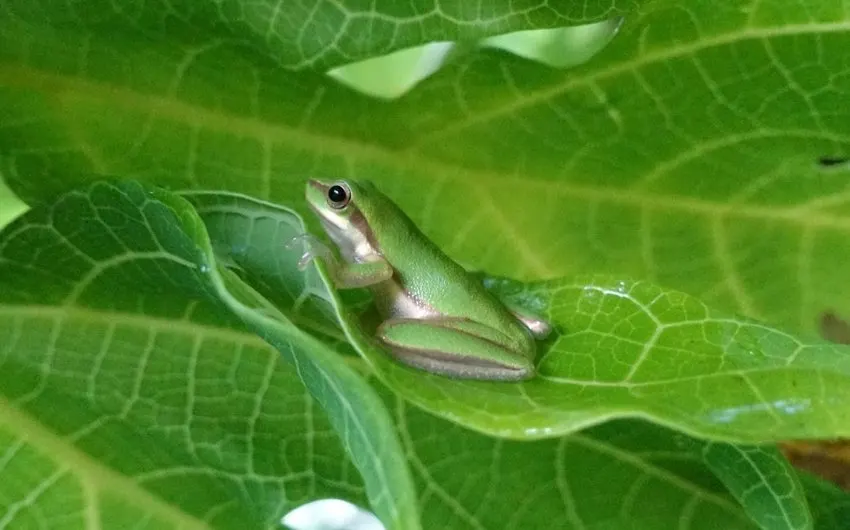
point(258, 240)
point(685, 153)
point(621, 475)
point(119, 267)
point(632, 349)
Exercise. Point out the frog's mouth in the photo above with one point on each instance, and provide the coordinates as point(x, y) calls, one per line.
point(333, 231)
point(330, 222)
point(334, 226)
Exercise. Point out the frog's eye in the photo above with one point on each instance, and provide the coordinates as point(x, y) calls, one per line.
point(338, 196)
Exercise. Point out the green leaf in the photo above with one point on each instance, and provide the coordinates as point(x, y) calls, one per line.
point(830, 505)
point(705, 149)
point(174, 415)
point(625, 474)
point(763, 481)
point(252, 237)
point(114, 265)
point(315, 34)
point(631, 349)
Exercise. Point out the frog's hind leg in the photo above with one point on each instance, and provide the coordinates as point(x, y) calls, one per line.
point(536, 326)
point(539, 328)
point(454, 347)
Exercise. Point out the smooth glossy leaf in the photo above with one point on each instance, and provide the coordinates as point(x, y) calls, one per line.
point(704, 149)
point(624, 474)
point(117, 267)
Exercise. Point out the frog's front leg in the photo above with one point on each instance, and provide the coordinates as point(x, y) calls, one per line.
point(352, 275)
point(455, 347)
point(343, 274)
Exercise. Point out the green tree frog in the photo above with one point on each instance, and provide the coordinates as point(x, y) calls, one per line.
point(435, 315)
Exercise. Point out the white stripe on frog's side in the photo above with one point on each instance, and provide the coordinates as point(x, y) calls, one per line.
point(393, 301)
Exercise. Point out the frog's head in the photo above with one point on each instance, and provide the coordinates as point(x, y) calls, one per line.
point(345, 208)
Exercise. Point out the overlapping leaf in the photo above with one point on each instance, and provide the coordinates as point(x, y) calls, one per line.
point(763, 481)
point(117, 330)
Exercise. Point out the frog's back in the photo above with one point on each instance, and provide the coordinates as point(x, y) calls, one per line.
point(430, 276)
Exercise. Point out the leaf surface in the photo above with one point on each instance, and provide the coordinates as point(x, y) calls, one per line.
point(632, 349)
point(763, 481)
point(116, 267)
point(174, 415)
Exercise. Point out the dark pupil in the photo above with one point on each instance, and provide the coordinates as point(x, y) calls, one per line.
point(336, 194)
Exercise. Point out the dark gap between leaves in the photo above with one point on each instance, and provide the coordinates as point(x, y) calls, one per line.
point(833, 328)
point(832, 161)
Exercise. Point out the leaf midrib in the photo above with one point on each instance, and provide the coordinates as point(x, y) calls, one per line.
point(252, 127)
point(67, 90)
point(187, 327)
point(657, 472)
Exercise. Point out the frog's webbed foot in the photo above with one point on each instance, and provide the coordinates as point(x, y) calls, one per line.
point(314, 249)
